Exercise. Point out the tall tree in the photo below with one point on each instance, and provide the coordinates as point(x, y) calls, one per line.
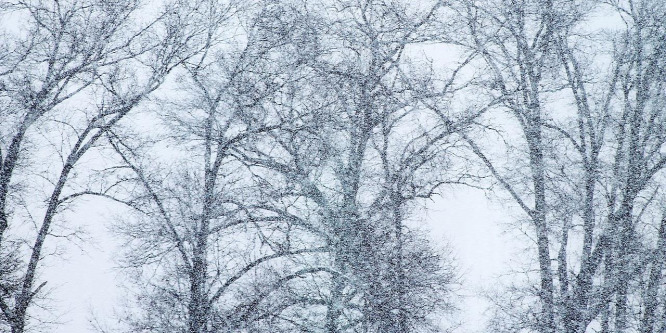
point(591, 161)
point(66, 52)
point(216, 255)
point(516, 40)
point(363, 157)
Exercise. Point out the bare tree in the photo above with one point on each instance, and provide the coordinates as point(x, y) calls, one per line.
point(516, 40)
point(586, 202)
point(74, 71)
point(217, 251)
point(366, 153)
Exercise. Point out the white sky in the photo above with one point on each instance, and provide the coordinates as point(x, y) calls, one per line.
point(472, 225)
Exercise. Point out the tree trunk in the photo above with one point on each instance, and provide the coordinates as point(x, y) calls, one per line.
point(651, 298)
